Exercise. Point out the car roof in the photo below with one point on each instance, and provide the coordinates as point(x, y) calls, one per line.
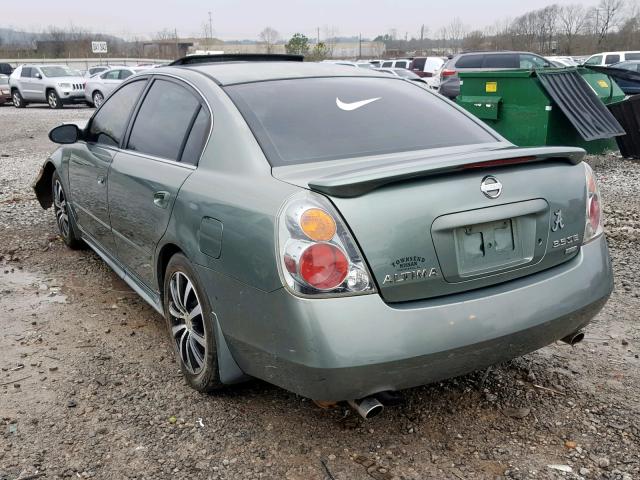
point(229, 73)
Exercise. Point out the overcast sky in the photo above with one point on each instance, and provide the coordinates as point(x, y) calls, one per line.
point(237, 19)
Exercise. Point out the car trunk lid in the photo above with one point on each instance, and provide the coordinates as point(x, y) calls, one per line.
point(437, 225)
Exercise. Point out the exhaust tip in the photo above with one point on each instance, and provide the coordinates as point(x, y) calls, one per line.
point(367, 407)
point(574, 338)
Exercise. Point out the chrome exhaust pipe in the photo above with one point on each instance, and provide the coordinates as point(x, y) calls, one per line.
point(367, 407)
point(575, 337)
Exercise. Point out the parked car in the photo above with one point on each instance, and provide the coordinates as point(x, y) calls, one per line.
point(365, 65)
point(625, 74)
point(558, 61)
point(607, 58)
point(56, 85)
point(101, 85)
point(399, 63)
point(426, 66)
point(630, 65)
point(404, 73)
point(6, 69)
point(5, 91)
point(91, 71)
point(365, 248)
point(479, 61)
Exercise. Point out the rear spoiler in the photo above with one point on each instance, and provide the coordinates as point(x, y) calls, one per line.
point(362, 180)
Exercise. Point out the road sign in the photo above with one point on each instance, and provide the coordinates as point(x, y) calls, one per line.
point(99, 47)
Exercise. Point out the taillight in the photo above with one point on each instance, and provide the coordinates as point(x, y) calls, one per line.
point(593, 224)
point(448, 73)
point(318, 255)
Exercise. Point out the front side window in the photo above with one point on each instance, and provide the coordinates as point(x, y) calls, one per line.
point(26, 72)
point(166, 115)
point(124, 74)
point(597, 60)
point(532, 61)
point(387, 64)
point(318, 119)
point(111, 75)
point(109, 123)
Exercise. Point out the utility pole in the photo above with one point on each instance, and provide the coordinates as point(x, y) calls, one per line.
point(210, 31)
point(318, 31)
point(175, 34)
point(359, 46)
point(422, 39)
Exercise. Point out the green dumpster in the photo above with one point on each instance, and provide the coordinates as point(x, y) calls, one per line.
point(536, 108)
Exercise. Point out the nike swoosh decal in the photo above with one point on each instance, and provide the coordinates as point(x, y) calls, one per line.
point(347, 107)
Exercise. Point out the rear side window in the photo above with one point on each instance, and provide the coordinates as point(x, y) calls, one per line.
point(501, 60)
point(125, 74)
point(316, 119)
point(470, 61)
point(632, 56)
point(165, 117)
point(26, 72)
point(108, 125)
point(418, 63)
point(612, 59)
point(197, 138)
point(387, 64)
point(402, 64)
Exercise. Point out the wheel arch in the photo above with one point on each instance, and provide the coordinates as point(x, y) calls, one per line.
point(42, 185)
point(165, 253)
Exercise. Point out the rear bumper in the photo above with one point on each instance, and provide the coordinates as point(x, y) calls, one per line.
point(344, 348)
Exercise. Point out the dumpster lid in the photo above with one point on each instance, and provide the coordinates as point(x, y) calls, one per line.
point(580, 104)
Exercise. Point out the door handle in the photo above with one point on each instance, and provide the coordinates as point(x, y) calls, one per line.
point(161, 199)
point(100, 179)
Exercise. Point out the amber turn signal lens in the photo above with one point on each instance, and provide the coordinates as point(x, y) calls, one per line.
point(318, 225)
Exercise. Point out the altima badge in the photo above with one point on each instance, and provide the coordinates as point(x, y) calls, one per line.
point(491, 186)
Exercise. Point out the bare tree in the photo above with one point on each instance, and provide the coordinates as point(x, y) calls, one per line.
point(572, 20)
point(454, 33)
point(608, 15)
point(164, 34)
point(269, 37)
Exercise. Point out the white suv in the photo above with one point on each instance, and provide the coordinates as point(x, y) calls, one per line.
point(609, 58)
point(53, 84)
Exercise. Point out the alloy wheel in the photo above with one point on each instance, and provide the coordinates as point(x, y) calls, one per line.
point(97, 99)
point(187, 327)
point(60, 207)
point(53, 101)
point(16, 99)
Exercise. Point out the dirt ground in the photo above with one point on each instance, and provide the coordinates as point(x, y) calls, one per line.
point(89, 387)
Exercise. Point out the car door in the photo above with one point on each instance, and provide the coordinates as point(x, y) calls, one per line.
point(89, 163)
point(110, 81)
point(25, 83)
point(38, 84)
point(146, 176)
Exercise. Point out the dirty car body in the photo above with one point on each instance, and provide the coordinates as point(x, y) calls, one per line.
point(360, 249)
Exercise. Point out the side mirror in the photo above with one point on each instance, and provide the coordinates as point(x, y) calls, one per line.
point(38, 76)
point(65, 134)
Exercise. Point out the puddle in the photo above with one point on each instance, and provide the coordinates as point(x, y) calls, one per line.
point(23, 281)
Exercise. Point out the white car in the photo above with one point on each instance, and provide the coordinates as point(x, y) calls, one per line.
point(608, 58)
point(56, 85)
point(399, 63)
point(100, 86)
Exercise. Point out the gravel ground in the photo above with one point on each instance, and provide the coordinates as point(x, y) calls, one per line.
point(89, 387)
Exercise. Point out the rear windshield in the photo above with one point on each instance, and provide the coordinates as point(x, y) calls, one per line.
point(316, 119)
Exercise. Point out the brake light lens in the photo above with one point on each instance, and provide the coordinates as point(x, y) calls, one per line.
point(448, 72)
point(593, 224)
point(318, 256)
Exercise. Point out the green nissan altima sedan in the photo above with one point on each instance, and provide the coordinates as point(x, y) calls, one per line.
point(334, 231)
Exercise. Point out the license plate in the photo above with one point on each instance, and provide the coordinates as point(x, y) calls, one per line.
point(487, 246)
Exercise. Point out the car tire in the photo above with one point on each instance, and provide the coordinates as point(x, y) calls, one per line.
point(53, 99)
point(188, 315)
point(98, 98)
point(66, 224)
point(17, 99)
